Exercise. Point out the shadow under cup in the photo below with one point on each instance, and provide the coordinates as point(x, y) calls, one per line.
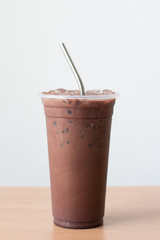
point(78, 132)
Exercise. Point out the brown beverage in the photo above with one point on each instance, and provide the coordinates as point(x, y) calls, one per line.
point(78, 131)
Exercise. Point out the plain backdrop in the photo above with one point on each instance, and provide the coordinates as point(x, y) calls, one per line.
point(114, 44)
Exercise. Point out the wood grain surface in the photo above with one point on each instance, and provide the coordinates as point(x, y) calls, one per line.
point(131, 213)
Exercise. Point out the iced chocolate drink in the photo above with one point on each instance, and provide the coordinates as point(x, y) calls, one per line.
point(78, 131)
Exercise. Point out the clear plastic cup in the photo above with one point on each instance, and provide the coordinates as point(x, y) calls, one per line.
point(78, 132)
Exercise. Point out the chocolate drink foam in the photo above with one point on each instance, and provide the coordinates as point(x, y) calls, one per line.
point(62, 91)
point(78, 132)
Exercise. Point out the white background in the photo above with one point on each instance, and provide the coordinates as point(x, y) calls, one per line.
point(114, 44)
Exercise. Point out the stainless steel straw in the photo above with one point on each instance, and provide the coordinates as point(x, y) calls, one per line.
point(73, 68)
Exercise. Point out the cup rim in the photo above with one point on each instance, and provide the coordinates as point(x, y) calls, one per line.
point(84, 97)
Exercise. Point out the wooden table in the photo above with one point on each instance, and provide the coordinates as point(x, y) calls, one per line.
point(131, 213)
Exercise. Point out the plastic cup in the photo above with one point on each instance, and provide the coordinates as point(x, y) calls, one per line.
point(78, 132)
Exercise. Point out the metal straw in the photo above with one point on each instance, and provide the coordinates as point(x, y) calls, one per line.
point(73, 68)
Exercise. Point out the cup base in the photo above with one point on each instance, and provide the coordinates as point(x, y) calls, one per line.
point(78, 225)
